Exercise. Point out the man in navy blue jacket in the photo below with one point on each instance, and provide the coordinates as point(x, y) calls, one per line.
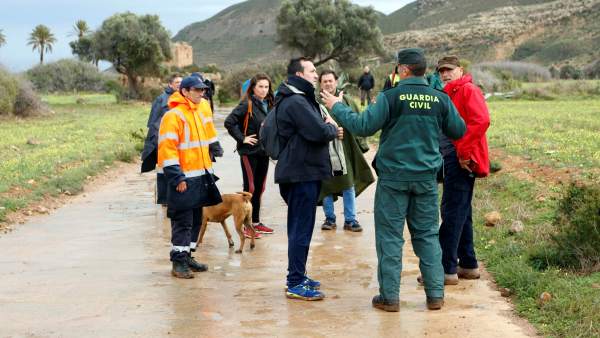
point(303, 163)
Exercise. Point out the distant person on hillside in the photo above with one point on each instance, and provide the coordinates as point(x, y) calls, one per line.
point(464, 160)
point(243, 124)
point(366, 83)
point(392, 79)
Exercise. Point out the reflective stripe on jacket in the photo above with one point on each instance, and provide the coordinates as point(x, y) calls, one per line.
point(185, 133)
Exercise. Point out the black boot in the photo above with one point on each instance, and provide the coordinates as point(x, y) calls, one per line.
point(181, 270)
point(194, 265)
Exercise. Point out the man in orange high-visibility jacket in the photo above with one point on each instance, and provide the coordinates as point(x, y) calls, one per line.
point(185, 133)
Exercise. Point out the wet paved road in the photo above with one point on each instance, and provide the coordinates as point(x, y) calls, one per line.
point(99, 267)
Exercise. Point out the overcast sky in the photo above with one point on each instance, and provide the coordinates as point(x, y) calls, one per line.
point(19, 17)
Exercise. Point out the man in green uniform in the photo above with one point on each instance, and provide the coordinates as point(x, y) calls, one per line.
point(410, 116)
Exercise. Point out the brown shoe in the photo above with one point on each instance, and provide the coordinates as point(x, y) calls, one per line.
point(448, 279)
point(468, 273)
point(435, 303)
point(380, 303)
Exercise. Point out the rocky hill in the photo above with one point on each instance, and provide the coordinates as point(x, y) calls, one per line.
point(550, 32)
point(543, 31)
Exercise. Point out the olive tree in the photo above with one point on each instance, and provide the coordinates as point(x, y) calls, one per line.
point(329, 30)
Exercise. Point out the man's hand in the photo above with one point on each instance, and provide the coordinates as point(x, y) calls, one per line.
point(329, 99)
point(250, 139)
point(465, 164)
point(340, 133)
point(181, 187)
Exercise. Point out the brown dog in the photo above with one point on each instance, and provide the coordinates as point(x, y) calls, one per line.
point(239, 206)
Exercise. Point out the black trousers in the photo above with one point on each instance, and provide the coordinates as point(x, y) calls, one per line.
point(254, 172)
point(301, 199)
point(185, 229)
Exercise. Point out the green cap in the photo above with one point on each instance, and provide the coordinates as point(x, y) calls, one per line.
point(411, 56)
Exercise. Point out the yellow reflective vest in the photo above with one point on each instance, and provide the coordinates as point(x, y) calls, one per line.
point(185, 132)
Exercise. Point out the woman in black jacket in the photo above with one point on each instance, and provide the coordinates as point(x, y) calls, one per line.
point(243, 124)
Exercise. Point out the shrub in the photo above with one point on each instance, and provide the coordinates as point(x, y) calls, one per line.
point(229, 88)
point(575, 244)
point(17, 96)
point(8, 92)
point(486, 80)
point(561, 50)
point(28, 101)
point(534, 93)
point(521, 71)
point(67, 75)
point(117, 89)
point(592, 70)
point(570, 72)
point(526, 50)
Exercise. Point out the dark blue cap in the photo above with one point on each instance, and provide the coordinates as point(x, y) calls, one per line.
point(411, 56)
point(193, 82)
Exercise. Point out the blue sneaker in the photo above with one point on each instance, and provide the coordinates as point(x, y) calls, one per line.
point(315, 284)
point(309, 282)
point(304, 292)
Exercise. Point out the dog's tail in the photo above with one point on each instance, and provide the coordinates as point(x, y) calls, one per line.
point(246, 195)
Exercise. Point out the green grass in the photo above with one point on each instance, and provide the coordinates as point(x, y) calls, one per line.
point(573, 310)
point(83, 98)
point(59, 151)
point(555, 133)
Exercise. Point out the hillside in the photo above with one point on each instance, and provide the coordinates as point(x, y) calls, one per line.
point(424, 14)
point(547, 33)
point(242, 32)
point(543, 31)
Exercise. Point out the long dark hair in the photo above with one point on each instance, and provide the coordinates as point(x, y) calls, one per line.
point(258, 77)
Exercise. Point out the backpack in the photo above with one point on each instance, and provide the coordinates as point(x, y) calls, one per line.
point(269, 137)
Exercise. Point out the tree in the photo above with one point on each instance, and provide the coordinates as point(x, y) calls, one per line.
point(80, 29)
point(135, 45)
point(84, 49)
point(329, 30)
point(2, 38)
point(41, 39)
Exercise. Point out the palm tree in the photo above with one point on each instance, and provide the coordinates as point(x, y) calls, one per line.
point(41, 39)
point(80, 29)
point(2, 38)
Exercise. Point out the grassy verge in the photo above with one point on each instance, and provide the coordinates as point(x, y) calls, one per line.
point(555, 134)
point(55, 154)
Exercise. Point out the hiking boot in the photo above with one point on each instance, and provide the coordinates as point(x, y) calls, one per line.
point(386, 305)
point(195, 265)
point(435, 303)
point(353, 226)
point(328, 225)
point(304, 292)
point(248, 233)
point(262, 229)
point(181, 270)
point(468, 273)
point(448, 279)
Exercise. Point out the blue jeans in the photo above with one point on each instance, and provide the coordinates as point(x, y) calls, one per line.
point(349, 197)
point(456, 231)
point(301, 199)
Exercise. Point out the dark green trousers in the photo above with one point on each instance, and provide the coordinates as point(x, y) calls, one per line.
point(417, 203)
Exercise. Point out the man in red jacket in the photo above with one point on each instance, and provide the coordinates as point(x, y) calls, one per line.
point(464, 160)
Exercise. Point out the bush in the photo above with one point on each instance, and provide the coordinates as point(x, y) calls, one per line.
point(17, 96)
point(8, 92)
point(534, 93)
point(570, 72)
point(117, 89)
point(520, 71)
point(67, 75)
point(576, 242)
point(229, 88)
point(28, 101)
point(486, 80)
point(592, 70)
point(526, 50)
